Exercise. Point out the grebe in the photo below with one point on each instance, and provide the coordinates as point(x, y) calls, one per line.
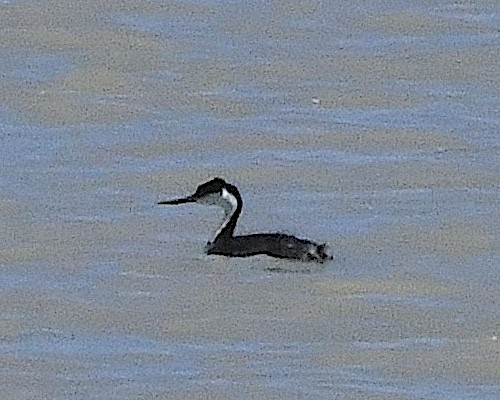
point(220, 193)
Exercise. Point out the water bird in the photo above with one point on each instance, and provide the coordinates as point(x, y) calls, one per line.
point(220, 193)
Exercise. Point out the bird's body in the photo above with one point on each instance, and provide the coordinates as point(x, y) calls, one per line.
point(277, 245)
point(220, 193)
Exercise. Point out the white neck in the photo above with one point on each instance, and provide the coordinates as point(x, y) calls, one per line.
point(227, 201)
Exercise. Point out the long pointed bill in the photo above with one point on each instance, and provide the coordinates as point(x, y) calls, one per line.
point(188, 199)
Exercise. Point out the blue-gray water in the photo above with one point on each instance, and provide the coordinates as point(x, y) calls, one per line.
point(372, 127)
